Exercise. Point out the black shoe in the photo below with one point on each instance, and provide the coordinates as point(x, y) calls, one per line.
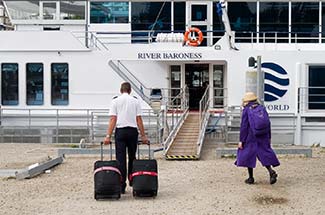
point(249, 181)
point(273, 177)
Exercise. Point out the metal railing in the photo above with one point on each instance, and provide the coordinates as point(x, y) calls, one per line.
point(64, 125)
point(90, 40)
point(203, 107)
point(175, 115)
point(204, 115)
point(102, 40)
point(141, 89)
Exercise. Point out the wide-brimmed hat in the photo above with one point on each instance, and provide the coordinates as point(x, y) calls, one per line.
point(249, 96)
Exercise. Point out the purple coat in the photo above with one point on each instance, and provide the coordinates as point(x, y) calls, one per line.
point(254, 147)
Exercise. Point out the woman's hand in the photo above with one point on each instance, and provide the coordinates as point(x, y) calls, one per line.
point(240, 145)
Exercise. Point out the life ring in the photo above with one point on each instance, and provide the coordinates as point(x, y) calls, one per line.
point(193, 40)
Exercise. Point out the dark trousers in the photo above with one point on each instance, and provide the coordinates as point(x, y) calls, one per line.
point(126, 138)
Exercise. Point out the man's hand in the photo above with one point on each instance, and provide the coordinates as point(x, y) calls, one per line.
point(144, 139)
point(107, 140)
point(240, 145)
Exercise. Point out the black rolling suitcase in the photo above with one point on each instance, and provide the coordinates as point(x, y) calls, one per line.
point(107, 178)
point(144, 177)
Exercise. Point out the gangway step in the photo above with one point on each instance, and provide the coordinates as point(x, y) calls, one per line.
point(182, 157)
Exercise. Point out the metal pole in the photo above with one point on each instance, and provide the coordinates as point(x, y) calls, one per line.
point(86, 26)
point(260, 80)
point(57, 125)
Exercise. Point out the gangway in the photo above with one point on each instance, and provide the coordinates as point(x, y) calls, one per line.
point(188, 141)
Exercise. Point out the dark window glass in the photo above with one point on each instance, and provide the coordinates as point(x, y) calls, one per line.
point(9, 84)
point(218, 27)
point(199, 12)
point(242, 17)
point(148, 17)
point(60, 83)
point(316, 92)
point(179, 16)
point(274, 19)
point(109, 12)
point(34, 83)
point(305, 21)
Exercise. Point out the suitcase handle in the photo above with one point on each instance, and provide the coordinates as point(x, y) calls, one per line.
point(101, 150)
point(139, 143)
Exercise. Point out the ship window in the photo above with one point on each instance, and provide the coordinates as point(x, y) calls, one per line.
point(218, 27)
point(175, 83)
point(199, 12)
point(316, 90)
point(60, 84)
point(242, 17)
point(49, 10)
point(23, 9)
point(109, 12)
point(74, 10)
point(147, 17)
point(34, 83)
point(9, 84)
point(179, 16)
point(305, 22)
point(218, 89)
point(274, 19)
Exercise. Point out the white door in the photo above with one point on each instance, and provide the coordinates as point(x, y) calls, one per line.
point(199, 14)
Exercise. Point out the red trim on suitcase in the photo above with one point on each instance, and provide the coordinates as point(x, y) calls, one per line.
point(142, 173)
point(110, 168)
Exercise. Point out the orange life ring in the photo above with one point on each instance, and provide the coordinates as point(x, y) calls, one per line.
point(193, 41)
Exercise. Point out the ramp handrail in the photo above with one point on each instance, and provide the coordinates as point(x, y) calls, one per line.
point(178, 112)
point(203, 118)
point(204, 106)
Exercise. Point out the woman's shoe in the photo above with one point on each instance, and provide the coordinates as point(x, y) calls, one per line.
point(273, 177)
point(249, 181)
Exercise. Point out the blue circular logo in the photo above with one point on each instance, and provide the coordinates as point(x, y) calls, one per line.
point(276, 81)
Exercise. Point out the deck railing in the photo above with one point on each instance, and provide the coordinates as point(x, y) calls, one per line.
point(102, 40)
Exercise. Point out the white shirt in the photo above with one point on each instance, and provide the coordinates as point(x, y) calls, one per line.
point(126, 108)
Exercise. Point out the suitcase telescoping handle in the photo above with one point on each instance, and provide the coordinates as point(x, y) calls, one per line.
point(101, 150)
point(139, 143)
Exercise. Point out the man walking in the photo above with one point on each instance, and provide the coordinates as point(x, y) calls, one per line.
point(125, 113)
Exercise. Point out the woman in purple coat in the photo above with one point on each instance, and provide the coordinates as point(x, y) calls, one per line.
point(251, 146)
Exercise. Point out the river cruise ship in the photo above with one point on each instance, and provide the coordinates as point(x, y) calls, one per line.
point(62, 62)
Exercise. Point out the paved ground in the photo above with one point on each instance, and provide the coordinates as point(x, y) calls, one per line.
point(208, 186)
